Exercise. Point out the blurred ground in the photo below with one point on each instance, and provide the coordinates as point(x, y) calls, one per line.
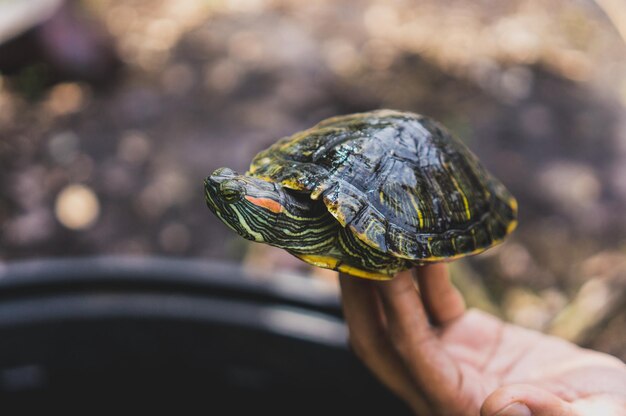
point(536, 89)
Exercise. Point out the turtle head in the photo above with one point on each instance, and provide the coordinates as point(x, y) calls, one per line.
point(248, 205)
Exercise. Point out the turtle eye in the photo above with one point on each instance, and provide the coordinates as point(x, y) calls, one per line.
point(232, 191)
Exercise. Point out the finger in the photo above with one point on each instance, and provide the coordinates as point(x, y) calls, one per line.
point(524, 400)
point(368, 336)
point(413, 338)
point(361, 311)
point(442, 300)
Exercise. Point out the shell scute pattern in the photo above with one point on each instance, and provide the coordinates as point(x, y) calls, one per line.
point(398, 181)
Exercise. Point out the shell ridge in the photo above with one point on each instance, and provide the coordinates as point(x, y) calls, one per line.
point(343, 136)
point(398, 181)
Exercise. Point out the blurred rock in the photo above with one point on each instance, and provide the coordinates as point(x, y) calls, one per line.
point(599, 298)
point(29, 229)
point(134, 147)
point(175, 238)
point(57, 40)
point(473, 288)
point(169, 188)
point(535, 311)
point(66, 98)
point(118, 180)
point(575, 187)
point(63, 147)
point(77, 207)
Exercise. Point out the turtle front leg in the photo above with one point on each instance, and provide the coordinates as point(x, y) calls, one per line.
point(362, 260)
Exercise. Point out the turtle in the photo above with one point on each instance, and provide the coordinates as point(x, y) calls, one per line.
point(367, 194)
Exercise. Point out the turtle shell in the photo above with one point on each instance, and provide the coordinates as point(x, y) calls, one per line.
point(399, 181)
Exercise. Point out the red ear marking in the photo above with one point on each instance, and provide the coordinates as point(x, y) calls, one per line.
point(267, 203)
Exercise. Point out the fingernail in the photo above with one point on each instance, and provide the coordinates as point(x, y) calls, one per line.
point(515, 409)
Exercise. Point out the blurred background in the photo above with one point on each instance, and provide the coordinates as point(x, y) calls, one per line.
point(112, 112)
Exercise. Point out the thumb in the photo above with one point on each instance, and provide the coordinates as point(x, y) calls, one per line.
point(524, 400)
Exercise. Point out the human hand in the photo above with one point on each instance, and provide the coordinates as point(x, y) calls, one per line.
point(444, 360)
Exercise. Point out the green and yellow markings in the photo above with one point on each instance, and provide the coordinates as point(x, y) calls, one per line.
point(513, 204)
point(420, 215)
point(344, 268)
point(513, 224)
point(329, 262)
point(433, 259)
point(258, 164)
point(326, 262)
point(465, 202)
point(346, 249)
point(291, 183)
point(333, 209)
point(242, 221)
point(511, 227)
